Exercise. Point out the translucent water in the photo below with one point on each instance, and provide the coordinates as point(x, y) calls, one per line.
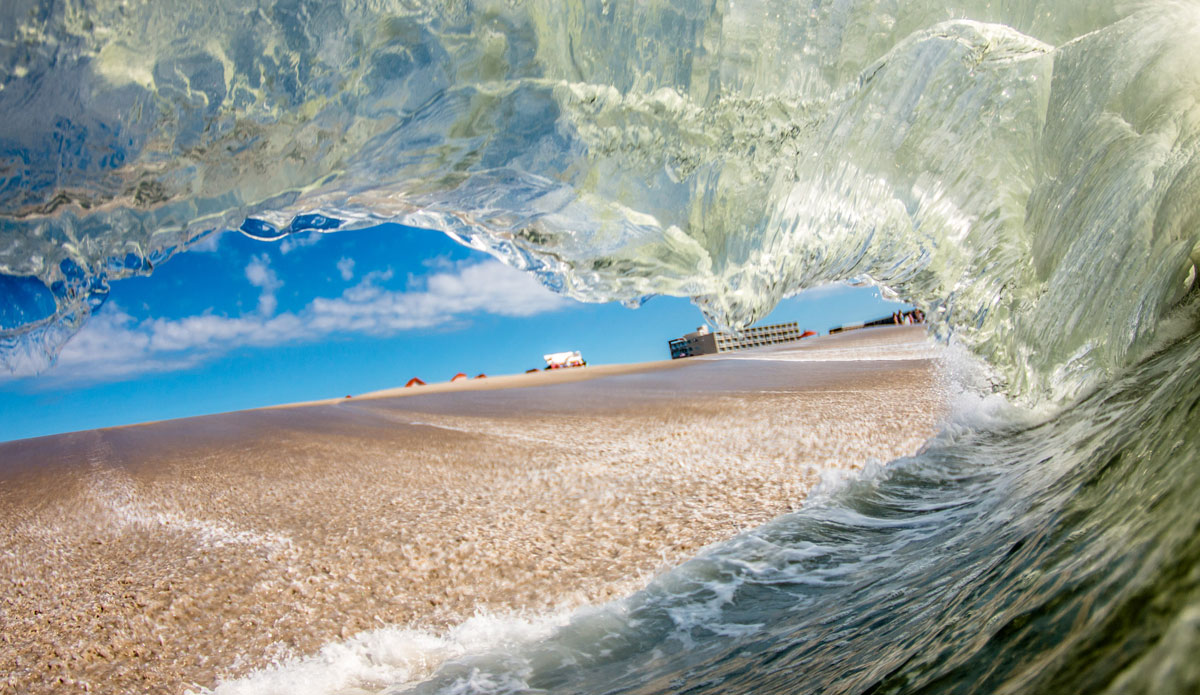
point(1025, 171)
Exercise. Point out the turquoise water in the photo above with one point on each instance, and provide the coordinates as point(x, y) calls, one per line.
point(1026, 172)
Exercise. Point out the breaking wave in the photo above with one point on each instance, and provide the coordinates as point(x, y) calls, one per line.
point(1024, 171)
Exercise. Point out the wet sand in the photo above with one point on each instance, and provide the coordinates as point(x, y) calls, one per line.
point(169, 556)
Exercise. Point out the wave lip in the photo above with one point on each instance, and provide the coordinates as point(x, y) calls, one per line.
point(1025, 174)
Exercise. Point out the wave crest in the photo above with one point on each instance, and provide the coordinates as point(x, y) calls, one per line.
point(1027, 173)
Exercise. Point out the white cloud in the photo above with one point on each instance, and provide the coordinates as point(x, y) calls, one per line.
point(295, 241)
point(260, 274)
point(208, 244)
point(490, 287)
point(345, 266)
point(113, 345)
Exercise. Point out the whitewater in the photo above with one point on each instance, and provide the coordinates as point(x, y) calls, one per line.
point(1025, 172)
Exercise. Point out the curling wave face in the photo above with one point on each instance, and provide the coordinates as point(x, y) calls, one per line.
point(1025, 171)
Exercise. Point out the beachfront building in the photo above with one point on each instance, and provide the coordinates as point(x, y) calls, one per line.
point(705, 342)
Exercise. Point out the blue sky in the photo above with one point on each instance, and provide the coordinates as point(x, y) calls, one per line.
point(240, 323)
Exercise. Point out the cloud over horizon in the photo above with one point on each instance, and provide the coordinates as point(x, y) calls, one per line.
point(114, 345)
point(260, 274)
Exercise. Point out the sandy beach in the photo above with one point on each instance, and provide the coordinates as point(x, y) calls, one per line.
point(171, 556)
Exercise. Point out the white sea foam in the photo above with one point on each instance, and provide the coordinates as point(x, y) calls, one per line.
point(976, 399)
point(116, 494)
point(376, 660)
point(833, 479)
point(490, 432)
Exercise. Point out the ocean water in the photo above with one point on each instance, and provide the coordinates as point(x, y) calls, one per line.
point(1026, 172)
point(1056, 556)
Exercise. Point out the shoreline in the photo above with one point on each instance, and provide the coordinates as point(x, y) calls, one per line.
point(500, 381)
point(195, 551)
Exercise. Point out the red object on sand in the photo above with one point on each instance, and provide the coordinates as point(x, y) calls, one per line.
point(808, 334)
point(481, 376)
point(414, 382)
point(459, 376)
